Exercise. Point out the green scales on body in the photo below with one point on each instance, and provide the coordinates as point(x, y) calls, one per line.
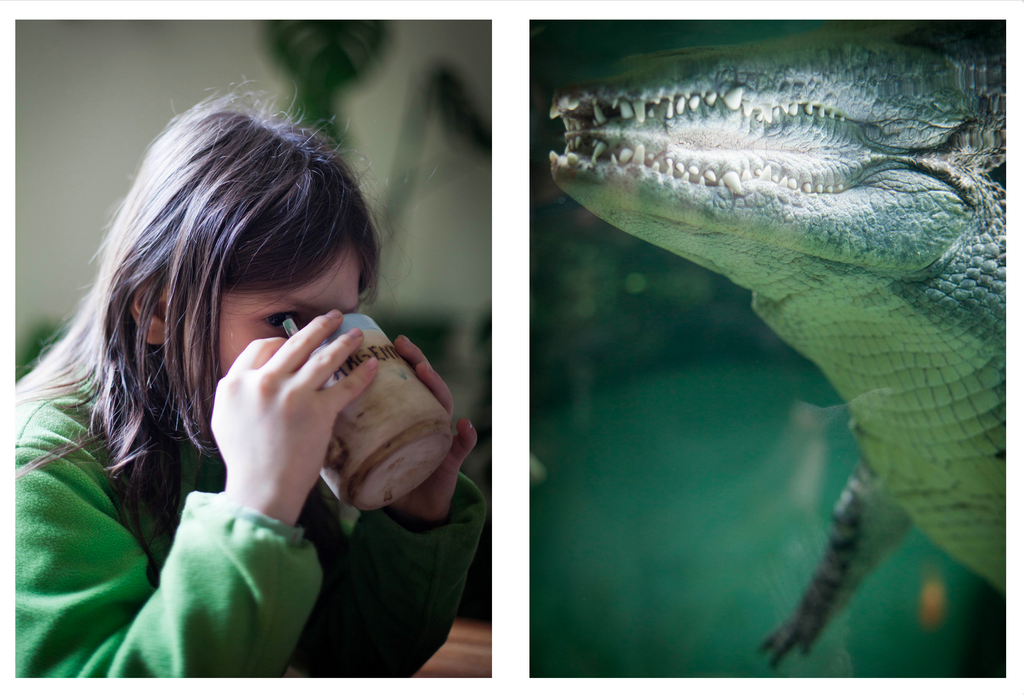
point(844, 177)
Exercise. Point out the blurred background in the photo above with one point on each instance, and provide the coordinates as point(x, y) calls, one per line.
point(410, 103)
point(685, 460)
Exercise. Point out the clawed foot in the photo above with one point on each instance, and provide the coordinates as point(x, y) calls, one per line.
point(801, 629)
point(866, 527)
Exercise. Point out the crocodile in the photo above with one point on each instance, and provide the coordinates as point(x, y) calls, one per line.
point(845, 176)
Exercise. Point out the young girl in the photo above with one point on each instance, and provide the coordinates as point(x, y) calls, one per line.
point(169, 517)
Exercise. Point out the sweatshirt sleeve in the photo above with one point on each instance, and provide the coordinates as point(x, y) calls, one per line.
point(388, 604)
point(234, 591)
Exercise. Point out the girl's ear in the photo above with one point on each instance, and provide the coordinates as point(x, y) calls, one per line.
point(158, 324)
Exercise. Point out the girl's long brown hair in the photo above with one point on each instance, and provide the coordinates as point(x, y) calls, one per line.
point(227, 198)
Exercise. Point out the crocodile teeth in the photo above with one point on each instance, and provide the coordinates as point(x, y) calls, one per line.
point(732, 98)
point(676, 105)
point(766, 173)
point(625, 154)
point(638, 109)
point(732, 180)
point(710, 176)
point(693, 170)
point(600, 147)
point(638, 156)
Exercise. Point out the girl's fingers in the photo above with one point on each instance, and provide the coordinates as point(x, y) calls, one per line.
point(300, 346)
point(462, 443)
point(256, 354)
point(435, 383)
point(414, 356)
point(409, 352)
point(349, 388)
point(319, 368)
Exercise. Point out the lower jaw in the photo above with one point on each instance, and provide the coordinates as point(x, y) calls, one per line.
point(690, 170)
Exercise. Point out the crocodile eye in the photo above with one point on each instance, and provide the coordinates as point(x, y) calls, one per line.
point(277, 320)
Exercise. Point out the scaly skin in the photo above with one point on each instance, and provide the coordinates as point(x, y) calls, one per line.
point(843, 177)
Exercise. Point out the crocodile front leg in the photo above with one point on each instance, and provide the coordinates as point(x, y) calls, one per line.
point(867, 526)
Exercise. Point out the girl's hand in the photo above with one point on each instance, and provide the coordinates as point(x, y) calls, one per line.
point(428, 505)
point(273, 422)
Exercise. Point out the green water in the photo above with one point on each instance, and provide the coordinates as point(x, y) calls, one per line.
point(681, 517)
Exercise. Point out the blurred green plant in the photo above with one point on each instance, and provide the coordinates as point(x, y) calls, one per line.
point(324, 58)
point(443, 92)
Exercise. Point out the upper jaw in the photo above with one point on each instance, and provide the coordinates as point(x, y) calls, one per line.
point(660, 102)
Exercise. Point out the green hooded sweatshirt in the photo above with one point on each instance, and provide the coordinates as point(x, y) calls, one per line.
point(238, 593)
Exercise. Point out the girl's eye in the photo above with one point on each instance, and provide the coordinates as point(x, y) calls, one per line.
point(278, 319)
